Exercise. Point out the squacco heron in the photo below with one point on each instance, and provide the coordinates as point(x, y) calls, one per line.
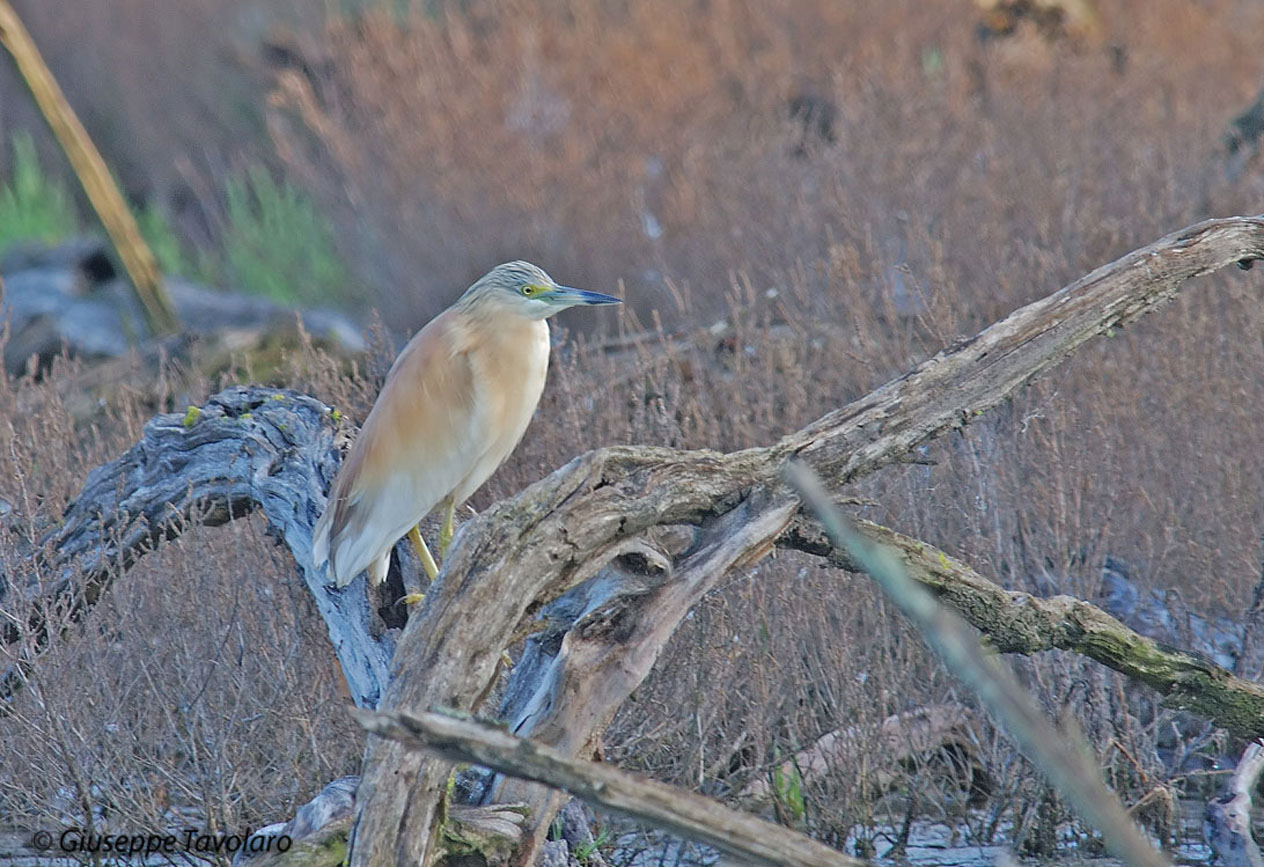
point(456, 402)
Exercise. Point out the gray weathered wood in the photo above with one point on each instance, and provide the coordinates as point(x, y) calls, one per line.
point(246, 449)
point(315, 837)
point(1227, 822)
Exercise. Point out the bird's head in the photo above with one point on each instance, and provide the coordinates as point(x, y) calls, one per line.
point(528, 291)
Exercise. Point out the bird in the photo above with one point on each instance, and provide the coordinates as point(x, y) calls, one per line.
point(454, 405)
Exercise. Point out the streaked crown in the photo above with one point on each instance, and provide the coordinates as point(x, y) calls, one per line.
point(511, 277)
point(527, 290)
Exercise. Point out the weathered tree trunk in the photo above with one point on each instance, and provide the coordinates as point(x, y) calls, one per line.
point(672, 522)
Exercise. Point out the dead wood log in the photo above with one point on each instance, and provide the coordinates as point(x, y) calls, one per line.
point(315, 837)
point(529, 550)
point(742, 835)
point(506, 565)
point(910, 736)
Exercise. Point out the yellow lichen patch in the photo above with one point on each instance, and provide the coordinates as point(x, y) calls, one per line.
point(191, 416)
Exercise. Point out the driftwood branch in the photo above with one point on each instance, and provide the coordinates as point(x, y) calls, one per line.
point(246, 449)
point(911, 736)
point(635, 535)
point(680, 812)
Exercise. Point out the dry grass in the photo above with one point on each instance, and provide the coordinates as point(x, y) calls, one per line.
point(962, 179)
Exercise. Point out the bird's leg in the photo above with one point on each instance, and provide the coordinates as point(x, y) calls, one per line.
point(427, 563)
point(445, 531)
point(419, 545)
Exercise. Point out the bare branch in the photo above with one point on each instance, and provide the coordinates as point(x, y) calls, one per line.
point(675, 810)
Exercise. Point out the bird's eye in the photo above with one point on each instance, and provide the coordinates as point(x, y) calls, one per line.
point(529, 290)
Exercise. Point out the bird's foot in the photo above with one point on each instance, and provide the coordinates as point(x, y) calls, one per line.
point(412, 599)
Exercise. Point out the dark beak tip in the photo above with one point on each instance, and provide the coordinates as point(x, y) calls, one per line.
point(600, 298)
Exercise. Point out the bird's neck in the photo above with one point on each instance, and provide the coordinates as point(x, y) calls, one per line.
point(509, 341)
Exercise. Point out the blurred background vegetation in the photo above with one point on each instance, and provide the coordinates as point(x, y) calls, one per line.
point(799, 199)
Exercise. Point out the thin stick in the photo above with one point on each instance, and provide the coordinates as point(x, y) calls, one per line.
point(994, 684)
point(107, 201)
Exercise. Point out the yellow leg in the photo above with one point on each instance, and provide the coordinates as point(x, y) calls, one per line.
point(445, 531)
point(419, 545)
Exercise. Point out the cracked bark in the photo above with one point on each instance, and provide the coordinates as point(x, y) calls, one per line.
point(246, 449)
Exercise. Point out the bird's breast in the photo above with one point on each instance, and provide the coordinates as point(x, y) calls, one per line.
point(510, 367)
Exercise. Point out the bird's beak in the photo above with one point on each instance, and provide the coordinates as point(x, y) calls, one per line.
point(565, 296)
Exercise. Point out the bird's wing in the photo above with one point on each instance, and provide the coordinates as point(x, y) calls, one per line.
point(413, 449)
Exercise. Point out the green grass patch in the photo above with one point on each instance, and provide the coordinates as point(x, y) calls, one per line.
point(278, 245)
point(275, 243)
point(33, 205)
point(165, 244)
